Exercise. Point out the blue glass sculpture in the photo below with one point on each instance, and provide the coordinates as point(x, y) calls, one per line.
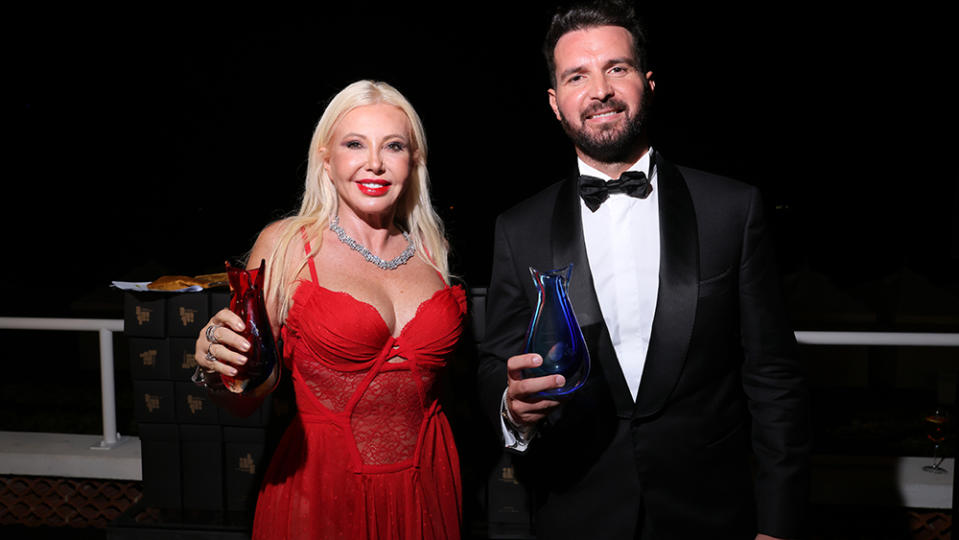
point(554, 333)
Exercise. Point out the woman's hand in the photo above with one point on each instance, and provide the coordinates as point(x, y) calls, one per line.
point(220, 347)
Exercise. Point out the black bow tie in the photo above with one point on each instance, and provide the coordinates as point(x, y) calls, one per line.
point(595, 191)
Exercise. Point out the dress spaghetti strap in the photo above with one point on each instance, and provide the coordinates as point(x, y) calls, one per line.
point(433, 263)
point(306, 245)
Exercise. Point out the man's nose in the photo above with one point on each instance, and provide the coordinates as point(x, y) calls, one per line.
point(600, 88)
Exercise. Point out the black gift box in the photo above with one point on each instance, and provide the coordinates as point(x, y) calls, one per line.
point(144, 314)
point(150, 358)
point(182, 358)
point(477, 314)
point(160, 452)
point(509, 503)
point(187, 313)
point(219, 299)
point(193, 405)
point(201, 451)
point(153, 401)
point(244, 452)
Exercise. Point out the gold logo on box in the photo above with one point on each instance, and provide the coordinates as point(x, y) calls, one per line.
point(189, 361)
point(507, 475)
point(149, 357)
point(143, 315)
point(153, 402)
point(187, 316)
point(195, 403)
point(247, 464)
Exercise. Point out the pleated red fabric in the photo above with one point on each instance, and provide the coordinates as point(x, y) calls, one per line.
point(370, 453)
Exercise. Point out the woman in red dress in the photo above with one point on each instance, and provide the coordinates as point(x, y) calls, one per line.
point(357, 285)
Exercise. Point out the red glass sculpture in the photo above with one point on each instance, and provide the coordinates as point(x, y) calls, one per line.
point(262, 358)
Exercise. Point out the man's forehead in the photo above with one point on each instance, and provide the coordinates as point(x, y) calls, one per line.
point(593, 43)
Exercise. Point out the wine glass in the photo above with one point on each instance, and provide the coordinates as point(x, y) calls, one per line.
point(936, 423)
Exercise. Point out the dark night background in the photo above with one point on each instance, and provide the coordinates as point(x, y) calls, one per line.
point(141, 143)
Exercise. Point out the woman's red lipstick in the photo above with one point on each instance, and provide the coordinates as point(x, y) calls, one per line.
point(373, 187)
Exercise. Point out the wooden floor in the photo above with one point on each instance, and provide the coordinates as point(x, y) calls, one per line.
point(879, 523)
point(833, 523)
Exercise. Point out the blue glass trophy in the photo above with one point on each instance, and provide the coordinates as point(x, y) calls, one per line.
point(554, 333)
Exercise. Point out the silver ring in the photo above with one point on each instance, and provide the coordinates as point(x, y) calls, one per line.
point(211, 334)
point(210, 357)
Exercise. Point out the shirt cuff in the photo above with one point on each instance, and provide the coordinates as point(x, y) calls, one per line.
point(515, 438)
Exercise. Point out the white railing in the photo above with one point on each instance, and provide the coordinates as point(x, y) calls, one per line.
point(111, 439)
point(104, 327)
point(864, 479)
point(889, 339)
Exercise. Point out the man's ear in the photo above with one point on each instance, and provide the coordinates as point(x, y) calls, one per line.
point(651, 81)
point(552, 103)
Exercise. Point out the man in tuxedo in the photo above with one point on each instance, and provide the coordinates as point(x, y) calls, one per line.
point(693, 422)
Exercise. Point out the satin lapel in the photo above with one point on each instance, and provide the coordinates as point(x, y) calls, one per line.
point(568, 247)
point(678, 291)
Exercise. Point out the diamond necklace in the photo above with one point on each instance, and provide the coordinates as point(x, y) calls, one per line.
point(361, 249)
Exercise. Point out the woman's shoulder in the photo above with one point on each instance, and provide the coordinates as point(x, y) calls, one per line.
point(273, 235)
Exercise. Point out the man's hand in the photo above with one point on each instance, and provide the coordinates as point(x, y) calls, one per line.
point(525, 407)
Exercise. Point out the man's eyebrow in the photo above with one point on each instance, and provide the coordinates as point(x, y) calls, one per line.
point(609, 63)
point(570, 71)
point(622, 60)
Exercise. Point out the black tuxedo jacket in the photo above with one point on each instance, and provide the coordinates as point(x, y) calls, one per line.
point(716, 444)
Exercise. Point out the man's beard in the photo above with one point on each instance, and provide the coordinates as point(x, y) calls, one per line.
point(614, 145)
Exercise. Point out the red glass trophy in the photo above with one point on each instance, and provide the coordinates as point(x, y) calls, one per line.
point(262, 358)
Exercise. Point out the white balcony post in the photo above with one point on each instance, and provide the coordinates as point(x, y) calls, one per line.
point(105, 328)
point(108, 390)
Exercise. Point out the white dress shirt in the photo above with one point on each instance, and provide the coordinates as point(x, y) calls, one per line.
point(622, 245)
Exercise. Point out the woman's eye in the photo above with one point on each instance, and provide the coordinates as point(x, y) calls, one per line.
point(396, 146)
point(353, 145)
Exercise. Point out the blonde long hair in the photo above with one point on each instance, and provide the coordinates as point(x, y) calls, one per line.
point(414, 212)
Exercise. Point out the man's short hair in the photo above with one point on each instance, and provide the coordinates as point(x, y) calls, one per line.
point(581, 15)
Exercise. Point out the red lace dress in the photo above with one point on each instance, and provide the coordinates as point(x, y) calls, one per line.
point(370, 453)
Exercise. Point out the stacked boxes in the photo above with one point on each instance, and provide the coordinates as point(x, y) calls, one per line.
point(509, 503)
point(196, 456)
